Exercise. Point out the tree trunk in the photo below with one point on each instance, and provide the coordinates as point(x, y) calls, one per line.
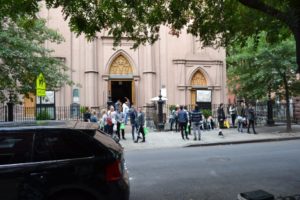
point(287, 98)
point(297, 39)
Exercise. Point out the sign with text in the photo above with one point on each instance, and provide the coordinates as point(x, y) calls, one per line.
point(203, 96)
point(40, 86)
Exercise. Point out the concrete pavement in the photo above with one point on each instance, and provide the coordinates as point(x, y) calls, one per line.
point(172, 139)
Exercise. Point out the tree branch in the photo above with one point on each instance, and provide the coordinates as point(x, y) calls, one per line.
point(267, 9)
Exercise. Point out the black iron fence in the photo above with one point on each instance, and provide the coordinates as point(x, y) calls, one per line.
point(22, 113)
point(261, 110)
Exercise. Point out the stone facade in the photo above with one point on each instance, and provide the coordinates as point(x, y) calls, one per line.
point(176, 66)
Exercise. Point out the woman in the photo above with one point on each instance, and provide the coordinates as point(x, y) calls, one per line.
point(221, 118)
point(232, 111)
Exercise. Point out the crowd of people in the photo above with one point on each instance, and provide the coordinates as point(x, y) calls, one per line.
point(185, 120)
point(114, 119)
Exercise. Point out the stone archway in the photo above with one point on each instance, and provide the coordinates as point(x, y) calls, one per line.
point(198, 81)
point(121, 83)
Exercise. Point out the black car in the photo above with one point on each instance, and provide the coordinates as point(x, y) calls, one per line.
point(60, 162)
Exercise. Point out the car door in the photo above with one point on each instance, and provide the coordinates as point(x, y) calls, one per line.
point(15, 166)
point(62, 160)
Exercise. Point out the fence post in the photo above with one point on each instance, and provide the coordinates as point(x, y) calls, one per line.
point(270, 120)
point(160, 124)
point(10, 112)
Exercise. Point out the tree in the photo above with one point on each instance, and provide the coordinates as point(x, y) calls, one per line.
point(218, 22)
point(260, 68)
point(23, 56)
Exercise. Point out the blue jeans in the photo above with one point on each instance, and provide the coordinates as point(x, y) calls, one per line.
point(240, 125)
point(126, 118)
point(133, 129)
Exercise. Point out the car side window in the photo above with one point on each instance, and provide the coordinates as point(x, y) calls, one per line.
point(60, 144)
point(15, 147)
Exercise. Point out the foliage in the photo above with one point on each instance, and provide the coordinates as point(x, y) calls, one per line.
point(259, 68)
point(206, 113)
point(172, 107)
point(218, 22)
point(43, 115)
point(23, 56)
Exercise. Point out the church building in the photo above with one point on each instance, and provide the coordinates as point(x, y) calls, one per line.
point(184, 71)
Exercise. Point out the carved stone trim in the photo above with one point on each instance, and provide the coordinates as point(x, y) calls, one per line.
point(120, 66)
point(198, 79)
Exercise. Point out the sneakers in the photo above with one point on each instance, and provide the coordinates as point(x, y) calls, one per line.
point(220, 133)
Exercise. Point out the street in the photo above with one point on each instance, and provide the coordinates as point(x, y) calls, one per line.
point(214, 173)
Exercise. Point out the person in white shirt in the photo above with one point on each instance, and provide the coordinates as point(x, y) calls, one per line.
point(125, 112)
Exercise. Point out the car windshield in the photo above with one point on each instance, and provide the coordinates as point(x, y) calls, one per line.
point(107, 141)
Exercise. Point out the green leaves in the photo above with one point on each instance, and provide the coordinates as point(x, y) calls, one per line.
point(257, 69)
point(24, 56)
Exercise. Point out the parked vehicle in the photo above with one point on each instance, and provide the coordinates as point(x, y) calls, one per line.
point(60, 161)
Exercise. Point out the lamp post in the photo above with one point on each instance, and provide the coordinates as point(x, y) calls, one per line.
point(270, 121)
point(160, 103)
point(10, 107)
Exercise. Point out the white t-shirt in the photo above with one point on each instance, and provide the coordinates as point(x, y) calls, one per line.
point(125, 108)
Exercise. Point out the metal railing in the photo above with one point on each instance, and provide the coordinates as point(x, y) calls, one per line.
point(22, 113)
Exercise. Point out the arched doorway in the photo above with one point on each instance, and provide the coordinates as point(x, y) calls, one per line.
point(121, 82)
point(199, 92)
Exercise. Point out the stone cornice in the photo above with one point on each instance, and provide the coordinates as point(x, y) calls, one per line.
point(149, 72)
point(190, 63)
point(91, 72)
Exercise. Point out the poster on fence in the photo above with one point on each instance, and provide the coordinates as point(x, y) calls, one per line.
point(48, 99)
point(203, 96)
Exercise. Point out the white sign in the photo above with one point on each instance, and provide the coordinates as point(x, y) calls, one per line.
point(203, 96)
point(163, 92)
point(48, 99)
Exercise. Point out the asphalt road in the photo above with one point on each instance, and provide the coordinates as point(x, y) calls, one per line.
point(214, 173)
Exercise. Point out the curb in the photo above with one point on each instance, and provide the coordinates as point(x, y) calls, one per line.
point(244, 141)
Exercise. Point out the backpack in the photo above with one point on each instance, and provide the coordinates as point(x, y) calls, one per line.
point(109, 120)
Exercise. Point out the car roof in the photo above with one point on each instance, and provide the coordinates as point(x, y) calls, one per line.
point(29, 125)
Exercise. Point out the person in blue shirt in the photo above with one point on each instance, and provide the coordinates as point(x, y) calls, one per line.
point(182, 120)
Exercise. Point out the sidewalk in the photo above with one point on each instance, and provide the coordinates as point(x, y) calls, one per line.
point(169, 139)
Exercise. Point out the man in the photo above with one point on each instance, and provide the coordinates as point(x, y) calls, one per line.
point(251, 118)
point(133, 119)
point(120, 119)
point(182, 120)
point(140, 124)
point(221, 118)
point(196, 118)
point(172, 119)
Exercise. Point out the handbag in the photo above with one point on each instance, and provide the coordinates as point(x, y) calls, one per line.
point(146, 131)
point(122, 126)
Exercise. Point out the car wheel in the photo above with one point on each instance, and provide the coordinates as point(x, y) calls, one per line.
point(73, 196)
